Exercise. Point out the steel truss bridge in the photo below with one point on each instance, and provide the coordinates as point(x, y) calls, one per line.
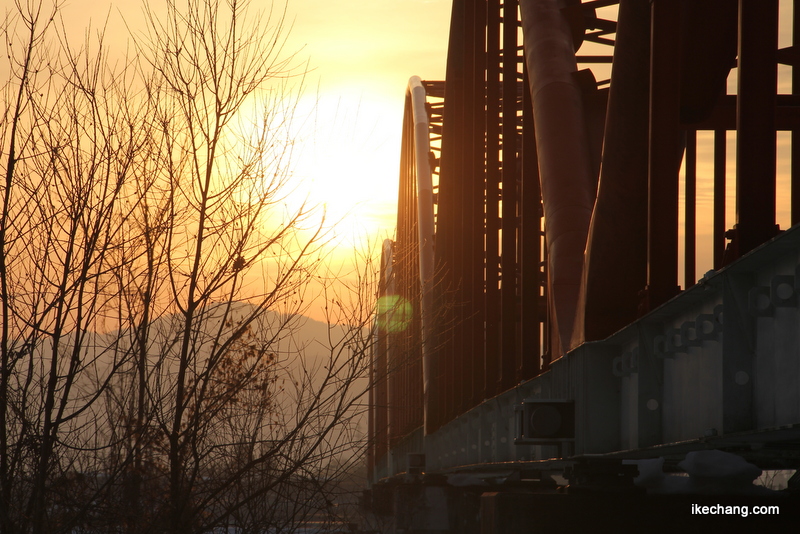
point(533, 335)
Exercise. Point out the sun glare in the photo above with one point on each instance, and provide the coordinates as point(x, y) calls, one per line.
point(344, 166)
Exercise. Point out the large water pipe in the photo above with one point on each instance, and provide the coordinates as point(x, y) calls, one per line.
point(568, 183)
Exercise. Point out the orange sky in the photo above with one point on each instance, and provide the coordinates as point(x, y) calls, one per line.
point(359, 57)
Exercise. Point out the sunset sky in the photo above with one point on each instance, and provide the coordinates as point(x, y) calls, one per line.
point(351, 65)
point(358, 57)
point(362, 55)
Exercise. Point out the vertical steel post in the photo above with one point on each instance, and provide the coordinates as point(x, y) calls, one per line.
point(381, 401)
point(690, 210)
point(720, 164)
point(619, 220)
point(467, 237)
point(530, 244)
point(795, 154)
point(382, 366)
point(493, 358)
point(508, 256)
point(755, 123)
point(393, 374)
point(405, 332)
point(372, 407)
point(665, 152)
point(476, 162)
point(449, 219)
point(461, 209)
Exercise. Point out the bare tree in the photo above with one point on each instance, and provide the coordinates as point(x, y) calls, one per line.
point(152, 285)
point(68, 149)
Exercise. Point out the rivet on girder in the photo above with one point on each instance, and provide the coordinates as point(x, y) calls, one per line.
point(782, 291)
point(759, 302)
point(707, 327)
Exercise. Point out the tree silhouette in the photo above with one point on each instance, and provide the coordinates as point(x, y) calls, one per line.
point(152, 285)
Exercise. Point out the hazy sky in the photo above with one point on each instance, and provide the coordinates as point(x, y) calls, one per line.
point(359, 57)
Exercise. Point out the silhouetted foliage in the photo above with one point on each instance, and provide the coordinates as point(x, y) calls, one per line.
point(153, 376)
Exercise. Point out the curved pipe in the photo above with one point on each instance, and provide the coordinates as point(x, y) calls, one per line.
point(425, 227)
point(567, 181)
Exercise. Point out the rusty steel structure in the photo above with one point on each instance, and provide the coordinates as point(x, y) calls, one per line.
point(549, 196)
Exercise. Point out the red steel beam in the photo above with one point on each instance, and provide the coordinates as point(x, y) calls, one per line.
point(755, 122)
point(619, 222)
point(475, 156)
point(795, 147)
point(720, 165)
point(530, 245)
point(665, 148)
point(493, 358)
point(508, 256)
point(690, 210)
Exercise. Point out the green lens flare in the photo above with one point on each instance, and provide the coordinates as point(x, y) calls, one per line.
point(394, 313)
